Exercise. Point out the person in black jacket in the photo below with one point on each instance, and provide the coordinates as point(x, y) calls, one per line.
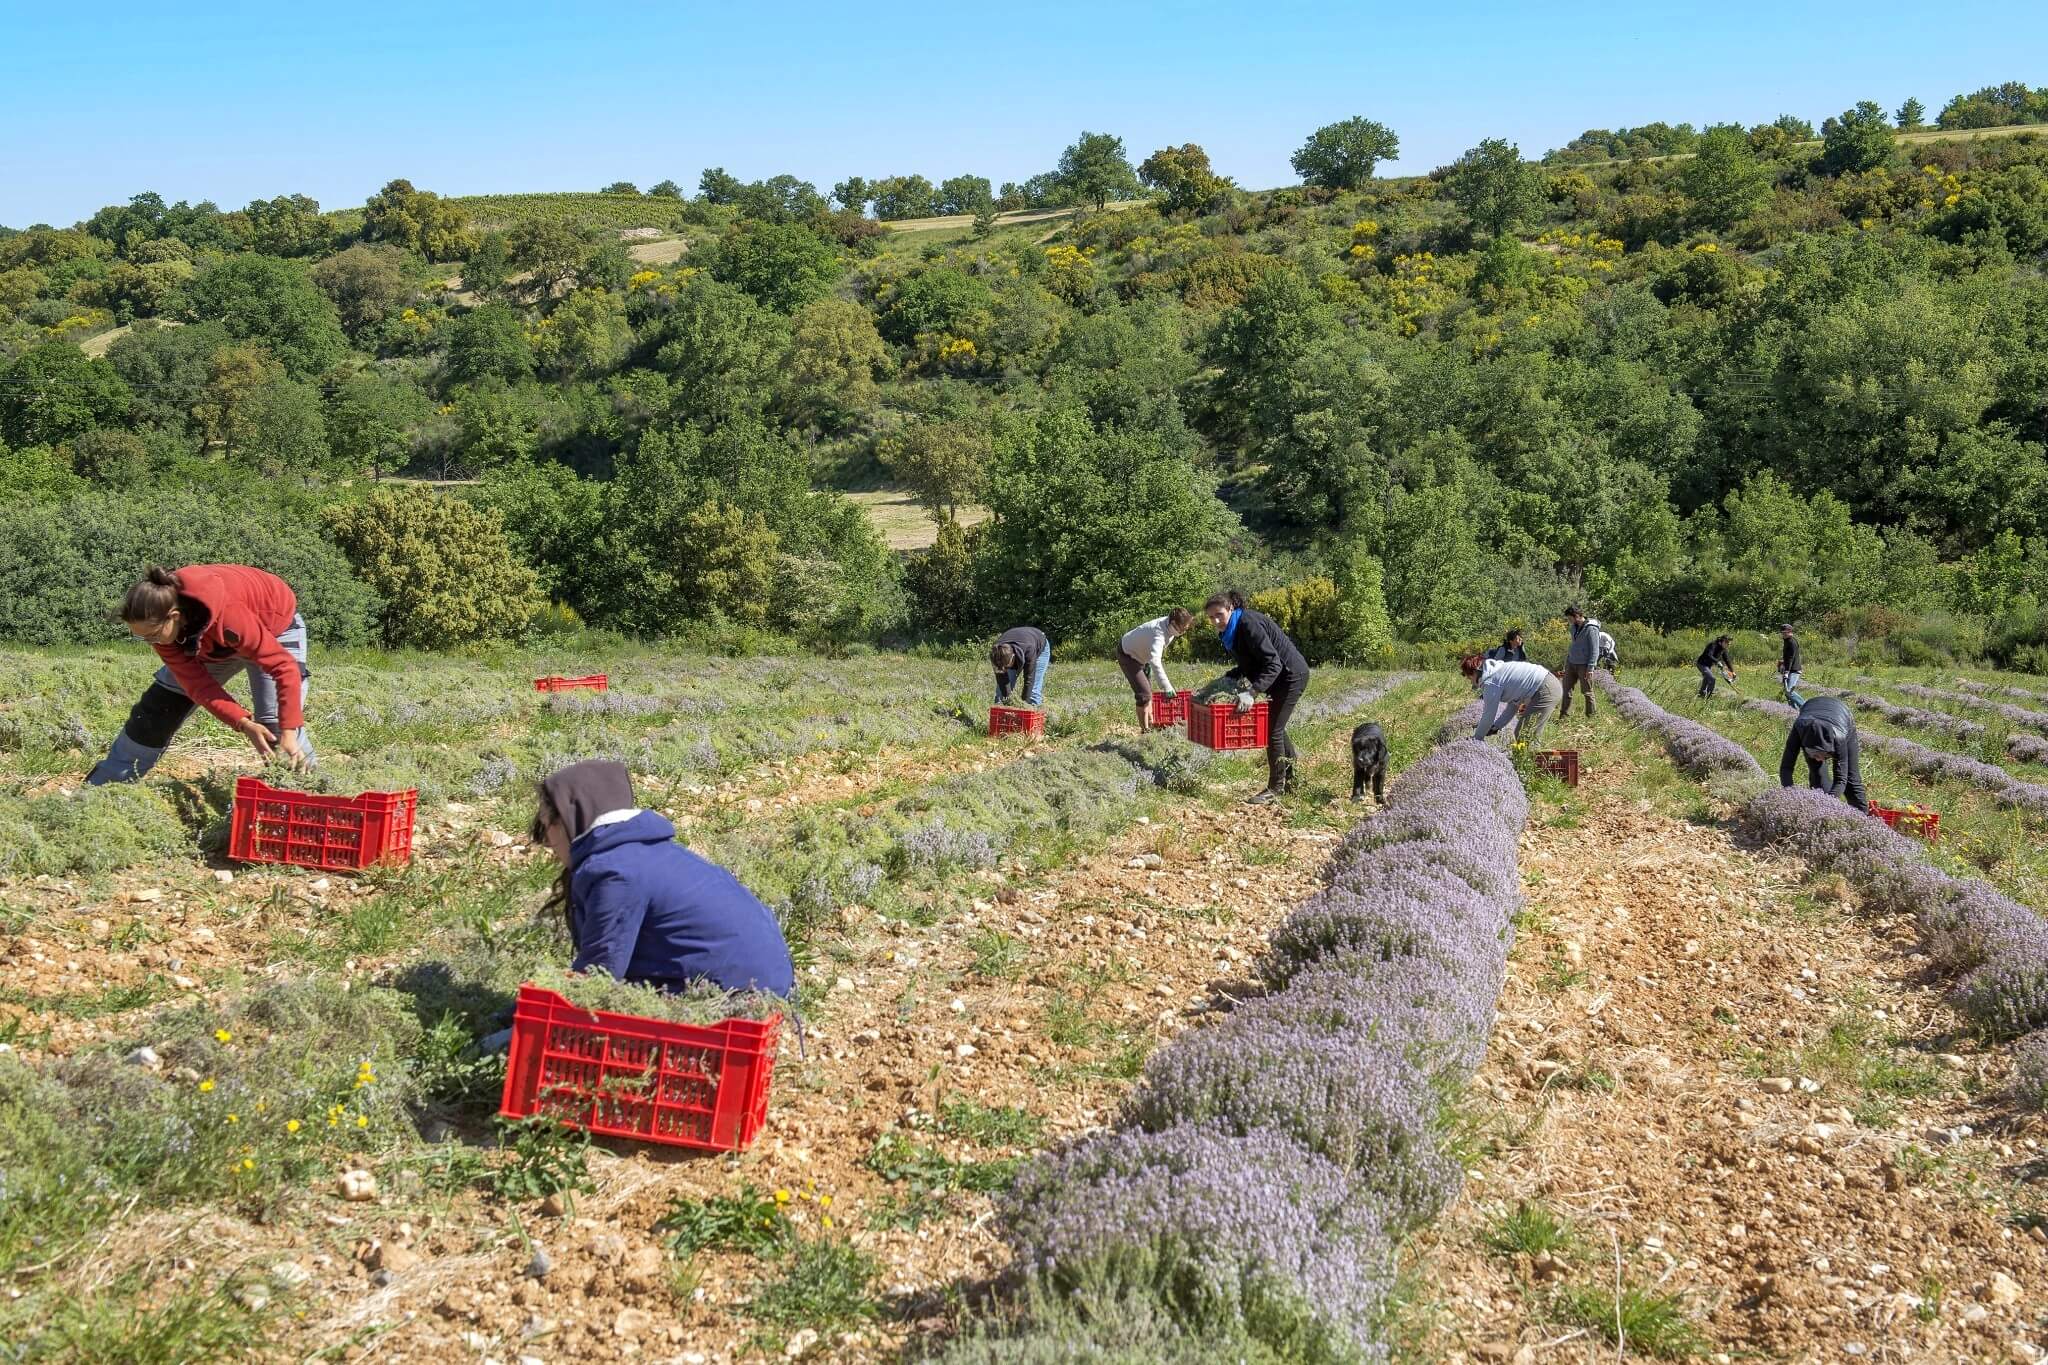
point(1714, 656)
point(1825, 732)
point(1269, 662)
point(1509, 650)
point(1790, 665)
point(1020, 657)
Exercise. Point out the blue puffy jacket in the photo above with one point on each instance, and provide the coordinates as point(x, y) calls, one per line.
point(647, 909)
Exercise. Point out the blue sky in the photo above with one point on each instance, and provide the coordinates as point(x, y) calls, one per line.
point(234, 101)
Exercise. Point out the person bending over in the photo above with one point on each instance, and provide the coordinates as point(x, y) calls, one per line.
point(1507, 688)
point(639, 905)
point(208, 622)
point(1268, 662)
point(1825, 732)
point(1143, 649)
point(1714, 656)
point(1020, 657)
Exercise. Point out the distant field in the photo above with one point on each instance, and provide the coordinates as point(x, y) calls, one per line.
point(902, 523)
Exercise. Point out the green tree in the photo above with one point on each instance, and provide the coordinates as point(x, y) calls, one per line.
point(853, 193)
point(586, 334)
point(550, 251)
point(723, 351)
point(904, 196)
point(489, 266)
point(1365, 628)
point(1493, 185)
point(489, 342)
point(53, 393)
point(167, 369)
point(280, 429)
point(1341, 156)
point(1857, 139)
point(419, 220)
point(785, 266)
point(1434, 564)
point(621, 187)
point(940, 583)
point(606, 266)
point(966, 194)
point(1090, 528)
point(367, 284)
point(714, 186)
point(276, 303)
point(941, 301)
point(664, 189)
point(1094, 170)
point(1723, 180)
point(1183, 175)
point(444, 568)
point(1912, 115)
point(289, 225)
point(835, 356)
point(113, 459)
point(942, 462)
point(370, 417)
point(553, 520)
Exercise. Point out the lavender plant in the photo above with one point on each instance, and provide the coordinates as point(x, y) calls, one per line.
point(2018, 715)
point(2030, 1071)
point(1935, 764)
point(1695, 748)
point(1247, 1234)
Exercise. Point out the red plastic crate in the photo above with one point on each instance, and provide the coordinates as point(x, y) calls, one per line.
point(334, 833)
point(1922, 824)
point(1562, 764)
point(1218, 725)
point(1015, 720)
point(1171, 708)
point(619, 1075)
point(596, 682)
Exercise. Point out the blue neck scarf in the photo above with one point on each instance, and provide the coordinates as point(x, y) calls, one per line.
point(1230, 629)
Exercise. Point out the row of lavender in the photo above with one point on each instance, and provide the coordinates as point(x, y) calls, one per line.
point(2014, 715)
point(1265, 1167)
point(2026, 748)
point(1996, 948)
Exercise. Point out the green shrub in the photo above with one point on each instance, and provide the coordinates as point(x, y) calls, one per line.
point(65, 566)
point(445, 569)
point(95, 829)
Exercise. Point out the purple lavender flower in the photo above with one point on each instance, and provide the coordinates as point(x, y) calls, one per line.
point(1251, 1234)
point(2030, 1070)
point(2017, 715)
point(1358, 1102)
point(1693, 746)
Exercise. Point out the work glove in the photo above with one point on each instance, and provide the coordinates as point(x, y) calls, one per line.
point(1244, 702)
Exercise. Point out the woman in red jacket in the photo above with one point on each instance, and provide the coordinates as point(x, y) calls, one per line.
point(209, 622)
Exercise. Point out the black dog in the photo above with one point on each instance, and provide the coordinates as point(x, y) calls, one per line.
point(1369, 762)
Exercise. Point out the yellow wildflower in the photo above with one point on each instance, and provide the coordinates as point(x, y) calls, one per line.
point(291, 1125)
point(206, 1086)
point(221, 1035)
point(782, 1196)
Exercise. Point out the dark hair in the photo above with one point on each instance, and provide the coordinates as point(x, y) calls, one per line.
point(545, 814)
point(1575, 610)
point(1724, 639)
point(1180, 618)
point(1470, 665)
point(1230, 597)
point(1511, 635)
point(153, 598)
point(1004, 657)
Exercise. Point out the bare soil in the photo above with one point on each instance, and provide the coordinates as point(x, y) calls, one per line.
point(1666, 1081)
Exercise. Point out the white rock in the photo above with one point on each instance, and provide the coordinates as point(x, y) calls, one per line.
point(357, 1187)
point(2003, 1291)
point(632, 1322)
point(964, 1050)
point(149, 896)
point(289, 1275)
point(1808, 1086)
point(500, 839)
point(1777, 1085)
point(254, 1297)
point(800, 1342)
point(224, 877)
point(146, 1058)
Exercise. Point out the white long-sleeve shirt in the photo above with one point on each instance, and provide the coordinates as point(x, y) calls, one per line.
point(1503, 687)
point(1607, 647)
point(1147, 644)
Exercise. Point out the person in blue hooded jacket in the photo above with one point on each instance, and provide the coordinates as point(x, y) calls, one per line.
point(639, 905)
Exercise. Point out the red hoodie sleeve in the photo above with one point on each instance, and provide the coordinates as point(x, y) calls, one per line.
point(240, 628)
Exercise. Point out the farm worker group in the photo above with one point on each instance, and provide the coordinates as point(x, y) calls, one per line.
point(1266, 662)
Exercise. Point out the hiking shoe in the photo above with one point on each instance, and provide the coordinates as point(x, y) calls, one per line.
point(1264, 798)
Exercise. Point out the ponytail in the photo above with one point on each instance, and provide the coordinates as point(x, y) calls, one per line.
point(153, 598)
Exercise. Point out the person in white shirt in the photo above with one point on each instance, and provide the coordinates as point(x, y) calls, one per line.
point(1143, 650)
point(1608, 658)
point(1503, 687)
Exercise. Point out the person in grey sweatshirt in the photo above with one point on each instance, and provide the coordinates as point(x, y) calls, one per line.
point(1581, 658)
point(1504, 685)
